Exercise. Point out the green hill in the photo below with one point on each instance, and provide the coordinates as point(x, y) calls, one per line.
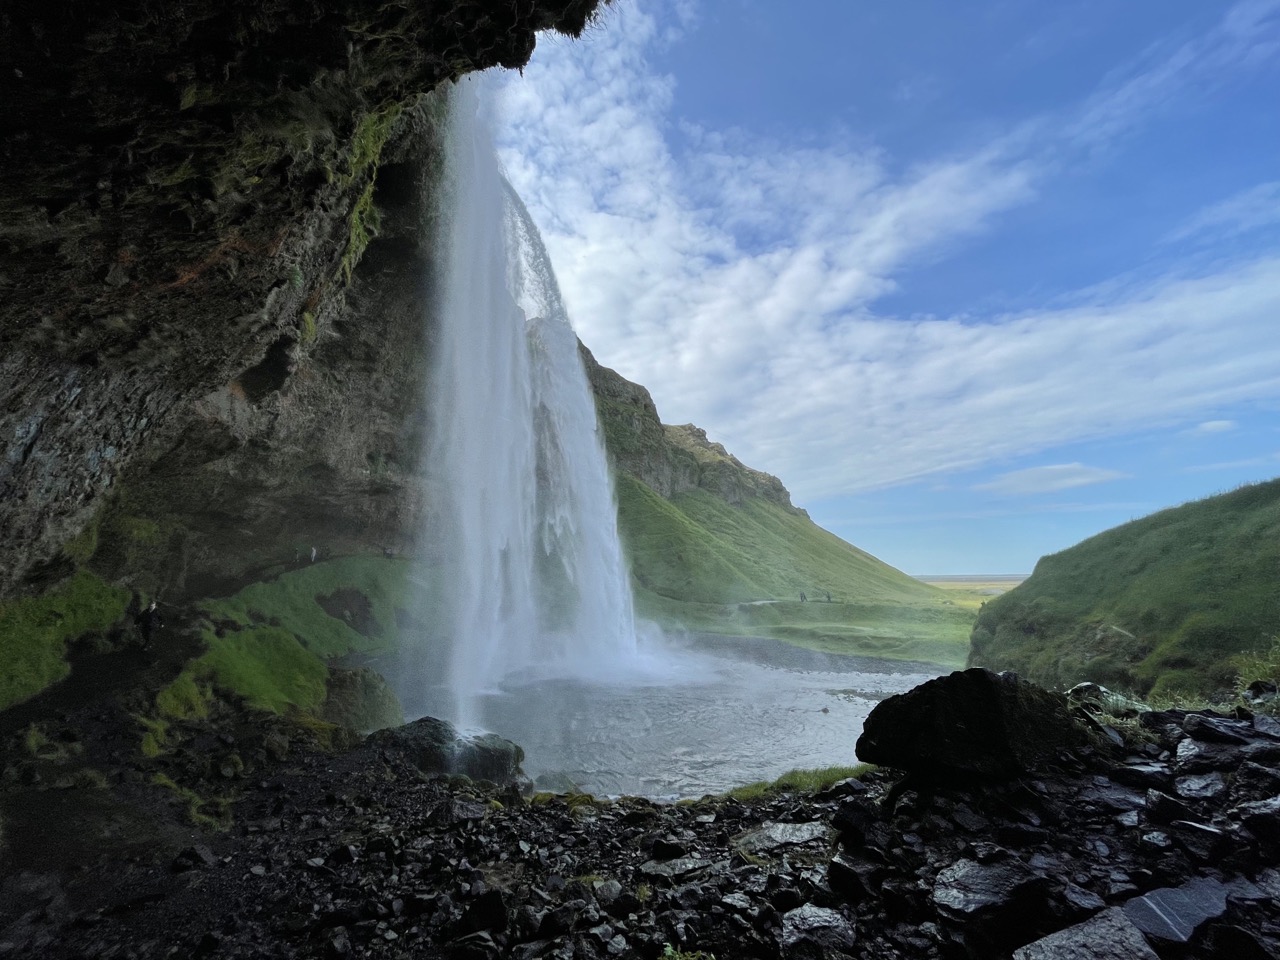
point(1162, 604)
point(716, 546)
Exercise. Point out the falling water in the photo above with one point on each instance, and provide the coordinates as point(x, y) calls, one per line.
point(525, 577)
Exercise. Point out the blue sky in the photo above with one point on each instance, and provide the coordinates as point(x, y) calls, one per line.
point(976, 280)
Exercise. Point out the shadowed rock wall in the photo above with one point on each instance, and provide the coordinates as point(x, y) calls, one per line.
point(186, 194)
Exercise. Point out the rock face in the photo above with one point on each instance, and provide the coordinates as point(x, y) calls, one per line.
point(969, 722)
point(670, 459)
point(186, 193)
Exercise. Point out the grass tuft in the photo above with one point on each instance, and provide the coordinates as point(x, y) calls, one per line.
point(799, 781)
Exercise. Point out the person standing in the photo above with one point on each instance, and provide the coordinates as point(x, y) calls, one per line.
point(148, 623)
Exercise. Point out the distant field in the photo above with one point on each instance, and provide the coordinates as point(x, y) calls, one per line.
point(972, 591)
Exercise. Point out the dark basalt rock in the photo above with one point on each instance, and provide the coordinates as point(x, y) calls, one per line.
point(970, 722)
point(1175, 913)
point(357, 854)
point(1108, 936)
point(434, 747)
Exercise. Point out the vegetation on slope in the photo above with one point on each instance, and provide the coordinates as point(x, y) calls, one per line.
point(1167, 604)
point(274, 638)
point(35, 631)
point(701, 562)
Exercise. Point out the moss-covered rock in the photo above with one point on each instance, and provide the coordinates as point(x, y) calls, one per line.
point(359, 698)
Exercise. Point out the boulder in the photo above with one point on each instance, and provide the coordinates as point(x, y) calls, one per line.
point(817, 932)
point(970, 722)
point(1108, 936)
point(434, 747)
point(1175, 913)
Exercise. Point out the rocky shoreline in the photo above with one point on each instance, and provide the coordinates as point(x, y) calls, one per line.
point(1162, 845)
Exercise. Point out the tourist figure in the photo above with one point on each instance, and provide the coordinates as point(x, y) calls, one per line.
point(802, 596)
point(313, 554)
point(148, 623)
point(828, 596)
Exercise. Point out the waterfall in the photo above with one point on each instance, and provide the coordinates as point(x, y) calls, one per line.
point(523, 576)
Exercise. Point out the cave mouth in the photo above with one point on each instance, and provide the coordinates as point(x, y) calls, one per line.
point(271, 373)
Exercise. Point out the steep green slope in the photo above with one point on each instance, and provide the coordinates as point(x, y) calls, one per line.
point(705, 564)
point(717, 546)
point(1163, 603)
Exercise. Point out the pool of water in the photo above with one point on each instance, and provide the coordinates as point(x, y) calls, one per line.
point(697, 717)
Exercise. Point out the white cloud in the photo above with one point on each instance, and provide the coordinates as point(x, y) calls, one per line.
point(1049, 479)
point(1252, 209)
point(1234, 464)
point(737, 278)
point(1214, 426)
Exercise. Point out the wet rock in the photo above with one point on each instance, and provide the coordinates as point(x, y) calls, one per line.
point(1196, 756)
point(434, 747)
point(1175, 913)
point(486, 912)
point(673, 869)
point(1097, 698)
point(1108, 936)
point(1254, 782)
point(1210, 729)
point(815, 932)
point(1162, 808)
point(1261, 818)
point(970, 722)
point(773, 836)
point(1143, 775)
point(1201, 786)
point(968, 890)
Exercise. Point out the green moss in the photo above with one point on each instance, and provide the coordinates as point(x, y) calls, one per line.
point(34, 631)
point(184, 699)
point(155, 735)
point(265, 665)
point(362, 228)
point(800, 781)
point(370, 137)
point(290, 602)
point(367, 142)
point(671, 953)
point(211, 813)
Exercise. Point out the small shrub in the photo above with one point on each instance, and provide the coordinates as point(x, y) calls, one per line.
point(671, 953)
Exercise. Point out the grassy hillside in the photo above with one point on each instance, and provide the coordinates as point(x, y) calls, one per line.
point(1161, 604)
point(702, 562)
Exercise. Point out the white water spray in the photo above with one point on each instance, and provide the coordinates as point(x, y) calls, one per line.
point(525, 577)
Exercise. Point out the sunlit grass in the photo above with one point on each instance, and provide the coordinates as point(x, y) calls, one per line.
point(800, 781)
point(1165, 605)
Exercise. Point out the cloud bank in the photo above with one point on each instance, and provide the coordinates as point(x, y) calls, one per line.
point(739, 278)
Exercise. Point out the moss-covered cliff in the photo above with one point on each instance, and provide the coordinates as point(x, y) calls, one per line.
point(1163, 603)
point(188, 191)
